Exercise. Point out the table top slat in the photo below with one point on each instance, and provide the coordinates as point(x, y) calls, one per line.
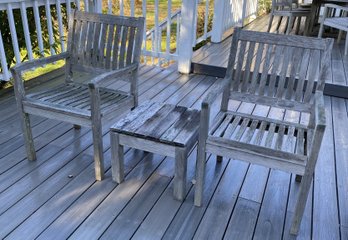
point(164, 123)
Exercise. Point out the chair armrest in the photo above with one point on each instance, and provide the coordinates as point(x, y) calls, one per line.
point(112, 74)
point(17, 71)
point(319, 110)
point(213, 94)
point(39, 62)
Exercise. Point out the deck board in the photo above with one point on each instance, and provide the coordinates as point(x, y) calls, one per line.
point(241, 201)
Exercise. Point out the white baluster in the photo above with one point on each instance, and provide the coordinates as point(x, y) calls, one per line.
point(178, 23)
point(132, 8)
point(121, 8)
point(6, 74)
point(156, 27)
point(26, 30)
point(206, 19)
point(169, 23)
point(78, 4)
point(68, 7)
point(49, 26)
point(86, 5)
point(38, 27)
point(145, 28)
point(109, 6)
point(13, 33)
point(152, 46)
point(60, 25)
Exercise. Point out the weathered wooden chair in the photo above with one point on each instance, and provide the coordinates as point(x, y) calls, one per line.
point(290, 10)
point(339, 22)
point(280, 81)
point(105, 46)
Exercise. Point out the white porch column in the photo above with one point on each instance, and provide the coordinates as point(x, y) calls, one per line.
point(186, 36)
point(218, 20)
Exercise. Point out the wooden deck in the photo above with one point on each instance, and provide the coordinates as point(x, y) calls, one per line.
point(56, 197)
point(216, 54)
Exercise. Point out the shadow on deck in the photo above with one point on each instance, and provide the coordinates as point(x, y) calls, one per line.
point(57, 196)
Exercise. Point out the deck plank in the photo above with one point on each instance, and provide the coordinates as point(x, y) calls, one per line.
point(325, 213)
point(340, 129)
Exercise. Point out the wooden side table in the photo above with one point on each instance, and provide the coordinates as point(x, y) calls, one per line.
point(158, 128)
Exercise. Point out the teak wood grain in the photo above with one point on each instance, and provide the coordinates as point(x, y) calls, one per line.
point(90, 50)
point(274, 140)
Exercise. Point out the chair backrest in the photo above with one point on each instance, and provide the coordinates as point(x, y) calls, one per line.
point(277, 70)
point(101, 42)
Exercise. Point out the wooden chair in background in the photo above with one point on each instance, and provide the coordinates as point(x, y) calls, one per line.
point(337, 19)
point(274, 71)
point(291, 10)
point(98, 44)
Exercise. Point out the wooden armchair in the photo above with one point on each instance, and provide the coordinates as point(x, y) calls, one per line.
point(98, 44)
point(291, 10)
point(269, 70)
point(339, 21)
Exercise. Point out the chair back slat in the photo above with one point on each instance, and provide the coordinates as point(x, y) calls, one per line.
point(116, 47)
point(288, 69)
point(130, 47)
point(104, 41)
point(111, 31)
point(102, 53)
point(279, 51)
point(95, 49)
point(256, 68)
point(302, 75)
point(123, 46)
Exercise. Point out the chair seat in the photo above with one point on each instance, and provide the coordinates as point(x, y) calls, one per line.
point(76, 98)
point(283, 141)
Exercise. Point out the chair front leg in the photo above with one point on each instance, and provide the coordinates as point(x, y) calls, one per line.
point(307, 180)
point(24, 117)
point(97, 132)
point(201, 155)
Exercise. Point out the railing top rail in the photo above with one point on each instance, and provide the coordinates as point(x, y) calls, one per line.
point(16, 4)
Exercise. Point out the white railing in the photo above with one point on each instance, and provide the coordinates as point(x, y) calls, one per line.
point(54, 30)
point(203, 12)
point(47, 26)
point(159, 36)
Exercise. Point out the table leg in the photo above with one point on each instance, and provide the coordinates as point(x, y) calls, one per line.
point(117, 158)
point(180, 173)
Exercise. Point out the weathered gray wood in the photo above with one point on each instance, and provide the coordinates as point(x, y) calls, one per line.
point(243, 220)
point(271, 152)
point(180, 173)
point(143, 128)
point(335, 22)
point(74, 103)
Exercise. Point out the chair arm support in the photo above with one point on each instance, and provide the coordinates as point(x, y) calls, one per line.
point(212, 95)
point(331, 5)
point(112, 74)
point(319, 110)
point(39, 62)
